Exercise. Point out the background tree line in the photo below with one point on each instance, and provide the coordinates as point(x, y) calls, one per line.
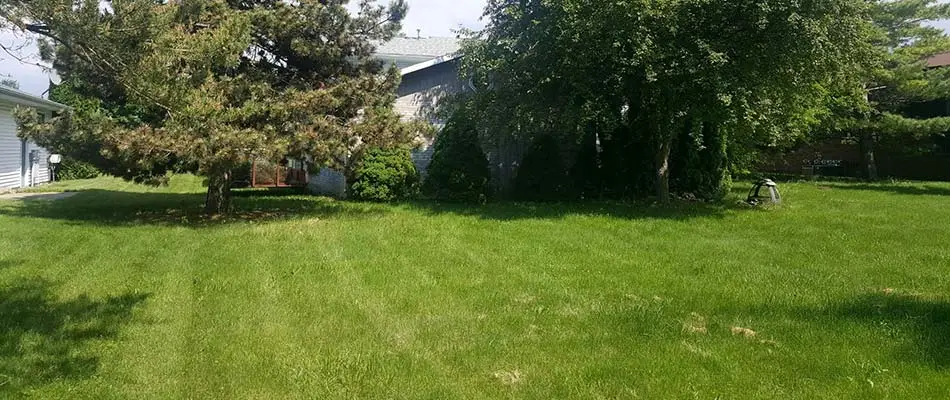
point(638, 98)
point(619, 99)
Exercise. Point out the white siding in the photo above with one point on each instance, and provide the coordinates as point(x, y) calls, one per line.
point(9, 149)
point(11, 163)
point(328, 182)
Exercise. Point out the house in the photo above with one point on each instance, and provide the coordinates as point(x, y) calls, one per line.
point(430, 73)
point(429, 68)
point(22, 164)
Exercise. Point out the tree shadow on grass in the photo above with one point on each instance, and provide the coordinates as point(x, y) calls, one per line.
point(926, 319)
point(909, 189)
point(921, 322)
point(508, 211)
point(117, 208)
point(4, 264)
point(41, 336)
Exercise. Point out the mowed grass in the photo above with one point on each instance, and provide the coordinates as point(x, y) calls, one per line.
point(125, 291)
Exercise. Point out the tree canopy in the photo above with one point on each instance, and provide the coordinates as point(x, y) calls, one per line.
point(895, 77)
point(207, 85)
point(751, 71)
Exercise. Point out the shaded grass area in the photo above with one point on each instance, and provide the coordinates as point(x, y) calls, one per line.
point(124, 291)
point(39, 332)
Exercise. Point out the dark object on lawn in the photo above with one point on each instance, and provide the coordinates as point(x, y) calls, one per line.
point(756, 197)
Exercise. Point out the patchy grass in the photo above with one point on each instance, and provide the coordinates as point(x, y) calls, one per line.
point(124, 291)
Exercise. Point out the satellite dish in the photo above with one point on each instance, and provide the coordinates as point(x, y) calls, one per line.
point(54, 78)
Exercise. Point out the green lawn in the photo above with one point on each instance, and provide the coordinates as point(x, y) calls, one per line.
point(124, 291)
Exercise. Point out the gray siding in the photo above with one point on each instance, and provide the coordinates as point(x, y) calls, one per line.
point(328, 182)
point(419, 97)
point(419, 94)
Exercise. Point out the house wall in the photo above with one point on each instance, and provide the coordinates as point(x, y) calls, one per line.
point(9, 149)
point(418, 98)
point(12, 175)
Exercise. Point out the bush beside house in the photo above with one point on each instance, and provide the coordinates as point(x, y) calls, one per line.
point(71, 169)
point(385, 175)
point(459, 169)
point(542, 176)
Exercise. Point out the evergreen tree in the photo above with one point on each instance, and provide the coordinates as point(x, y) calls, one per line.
point(896, 77)
point(206, 85)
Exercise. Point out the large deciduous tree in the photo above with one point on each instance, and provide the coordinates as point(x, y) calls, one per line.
point(715, 71)
point(207, 85)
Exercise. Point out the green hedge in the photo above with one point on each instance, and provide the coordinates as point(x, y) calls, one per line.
point(459, 168)
point(385, 175)
point(542, 176)
point(70, 169)
point(699, 163)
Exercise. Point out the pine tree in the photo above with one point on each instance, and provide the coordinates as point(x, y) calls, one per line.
point(897, 77)
point(206, 85)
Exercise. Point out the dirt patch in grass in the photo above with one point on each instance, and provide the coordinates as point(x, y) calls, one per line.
point(695, 323)
point(510, 378)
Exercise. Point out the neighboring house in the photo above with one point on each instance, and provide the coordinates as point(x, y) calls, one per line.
point(429, 69)
point(22, 163)
point(430, 72)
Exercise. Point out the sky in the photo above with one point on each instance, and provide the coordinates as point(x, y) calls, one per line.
point(431, 17)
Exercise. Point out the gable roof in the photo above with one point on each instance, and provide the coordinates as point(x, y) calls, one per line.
point(430, 47)
point(25, 99)
point(414, 54)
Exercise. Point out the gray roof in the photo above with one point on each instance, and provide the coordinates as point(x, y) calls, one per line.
point(430, 47)
point(25, 99)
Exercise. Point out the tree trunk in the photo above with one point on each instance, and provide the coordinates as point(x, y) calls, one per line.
point(870, 164)
point(218, 199)
point(662, 164)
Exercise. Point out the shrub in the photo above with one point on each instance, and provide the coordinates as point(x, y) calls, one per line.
point(699, 164)
point(586, 174)
point(385, 175)
point(542, 176)
point(459, 169)
point(71, 169)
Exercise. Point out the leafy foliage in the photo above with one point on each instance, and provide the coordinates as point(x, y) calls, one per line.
point(541, 176)
point(459, 168)
point(72, 169)
point(385, 175)
point(895, 78)
point(700, 163)
point(753, 69)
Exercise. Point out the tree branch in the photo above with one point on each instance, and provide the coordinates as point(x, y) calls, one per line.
point(22, 60)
